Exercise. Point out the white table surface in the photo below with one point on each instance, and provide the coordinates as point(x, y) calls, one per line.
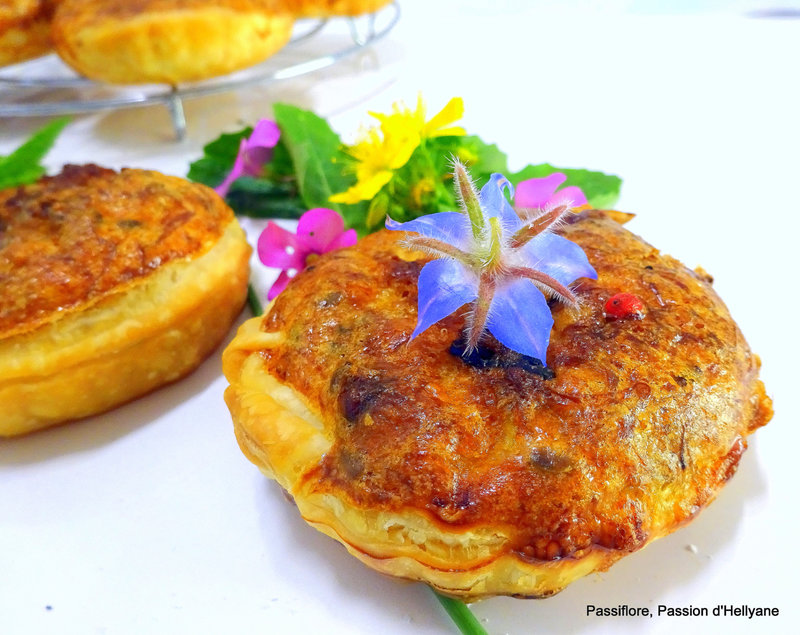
point(148, 519)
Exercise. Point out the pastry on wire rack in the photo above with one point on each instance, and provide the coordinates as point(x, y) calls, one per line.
point(24, 29)
point(167, 41)
point(332, 8)
point(113, 284)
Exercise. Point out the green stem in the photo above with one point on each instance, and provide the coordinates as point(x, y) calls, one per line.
point(253, 302)
point(459, 612)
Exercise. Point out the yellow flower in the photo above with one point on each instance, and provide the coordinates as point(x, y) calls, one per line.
point(377, 157)
point(388, 146)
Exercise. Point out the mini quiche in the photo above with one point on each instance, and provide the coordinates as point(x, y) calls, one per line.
point(496, 478)
point(167, 41)
point(111, 284)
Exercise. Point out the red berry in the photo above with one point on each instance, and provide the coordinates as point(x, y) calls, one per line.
point(624, 305)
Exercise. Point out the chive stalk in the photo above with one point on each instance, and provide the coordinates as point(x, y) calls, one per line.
point(459, 612)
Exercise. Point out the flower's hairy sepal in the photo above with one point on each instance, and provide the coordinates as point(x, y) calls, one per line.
point(547, 284)
point(467, 197)
point(537, 222)
point(476, 324)
point(437, 248)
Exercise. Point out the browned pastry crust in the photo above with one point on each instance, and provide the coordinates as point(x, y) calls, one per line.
point(167, 41)
point(331, 8)
point(24, 29)
point(113, 283)
point(495, 481)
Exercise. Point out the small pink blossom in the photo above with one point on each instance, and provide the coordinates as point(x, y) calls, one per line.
point(540, 194)
point(254, 152)
point(319, 231)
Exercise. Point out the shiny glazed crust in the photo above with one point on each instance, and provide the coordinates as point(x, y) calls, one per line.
point(495, 481)
point(136, 329)
point(24, 30)
point(332, 8)
point(167, 41)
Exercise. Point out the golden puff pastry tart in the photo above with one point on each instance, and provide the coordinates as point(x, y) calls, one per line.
point(167, 41)
point(113, 284)
point(501, 479)
point(24, 29)
point(332, 8)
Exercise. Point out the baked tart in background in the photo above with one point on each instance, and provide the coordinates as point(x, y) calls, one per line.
point(331, 8)
point(438, 456)
point(167, 41)
point(113, 284)
point(24, 29)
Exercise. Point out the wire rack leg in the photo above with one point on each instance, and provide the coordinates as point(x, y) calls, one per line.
point(359, 38)
point(175, 105)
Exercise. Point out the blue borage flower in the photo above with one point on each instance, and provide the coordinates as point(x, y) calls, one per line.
point(505, 263)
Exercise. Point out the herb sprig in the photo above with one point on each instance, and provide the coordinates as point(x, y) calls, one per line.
point(311, 163)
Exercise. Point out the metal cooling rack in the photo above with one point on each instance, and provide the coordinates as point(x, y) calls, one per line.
point(46, 86)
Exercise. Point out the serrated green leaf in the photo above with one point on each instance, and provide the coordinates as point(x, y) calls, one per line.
point(318, 163)
point(601, 190)
point(316, 154)
point(23, 166)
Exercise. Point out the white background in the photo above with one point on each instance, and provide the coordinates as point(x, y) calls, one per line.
point(149, 519)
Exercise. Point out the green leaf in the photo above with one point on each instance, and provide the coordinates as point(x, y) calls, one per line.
point(601, 190)
point(218, 158)
point(281, 164)
point(318, 163)
point(273, 195)
point(489, 158)
point(316, 154)
point(481, 158)
point(23, 166)
point(355, 217)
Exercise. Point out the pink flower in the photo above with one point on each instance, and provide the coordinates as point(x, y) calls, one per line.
point(254, 152)
point(541, 193)
point(319, 231)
